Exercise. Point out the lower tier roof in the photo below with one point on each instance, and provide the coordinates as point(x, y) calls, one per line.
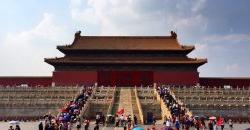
point(63, 60)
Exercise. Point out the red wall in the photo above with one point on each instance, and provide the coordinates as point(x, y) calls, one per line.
point(74, 77)
point(176, 77)
point(125, 78)
point(31, 81)
point(220, 81)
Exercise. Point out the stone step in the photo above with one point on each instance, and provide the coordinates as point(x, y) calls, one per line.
point(116, 102)
point(134, 106)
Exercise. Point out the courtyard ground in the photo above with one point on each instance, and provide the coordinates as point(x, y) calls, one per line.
point(34, 126)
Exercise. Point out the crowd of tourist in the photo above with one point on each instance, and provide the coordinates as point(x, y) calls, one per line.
point(127, 122)
point(179, 118)
point(69, 115)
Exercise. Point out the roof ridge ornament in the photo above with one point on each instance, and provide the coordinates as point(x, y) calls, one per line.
point(77, 36)
point(173, 35)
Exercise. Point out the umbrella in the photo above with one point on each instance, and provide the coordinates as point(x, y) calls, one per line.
point(63, 110)
point(138, 128)
point(14, 122)
point(212, 118)
point(202, 117)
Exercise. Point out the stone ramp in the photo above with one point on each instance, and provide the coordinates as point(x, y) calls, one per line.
point(125, 101)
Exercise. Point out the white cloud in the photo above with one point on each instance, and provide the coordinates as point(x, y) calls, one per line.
point(198, 5)
point(46, 30)
point(235, 38)
point(201, 47)
point(23, 52)
point(140, 17)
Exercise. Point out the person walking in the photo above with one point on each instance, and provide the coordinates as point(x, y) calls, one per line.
point(61, 126)
point(40, 126)
point(210, 125)
point(78, 125)
point(96, 127)
point(177, 125)
point(230, 124)
point(222, 124)
point(69, 126)
point(87, 124)
point(17, 127)
point(11, 128)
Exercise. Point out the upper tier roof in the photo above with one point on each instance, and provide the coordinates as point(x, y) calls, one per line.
point(125, 43)
point(106, 45)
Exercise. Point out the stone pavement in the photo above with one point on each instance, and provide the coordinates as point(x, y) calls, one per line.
point(34, 126)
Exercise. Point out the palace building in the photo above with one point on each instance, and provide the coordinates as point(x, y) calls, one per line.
point(125, 61)
point(100, 74)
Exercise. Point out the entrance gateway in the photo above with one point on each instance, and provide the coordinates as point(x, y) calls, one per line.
point(125, 61)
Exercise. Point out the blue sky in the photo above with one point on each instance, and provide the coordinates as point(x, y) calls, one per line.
point(31, 29)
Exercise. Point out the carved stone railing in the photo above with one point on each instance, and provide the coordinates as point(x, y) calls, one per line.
point(139, 106)
point(111, 104)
